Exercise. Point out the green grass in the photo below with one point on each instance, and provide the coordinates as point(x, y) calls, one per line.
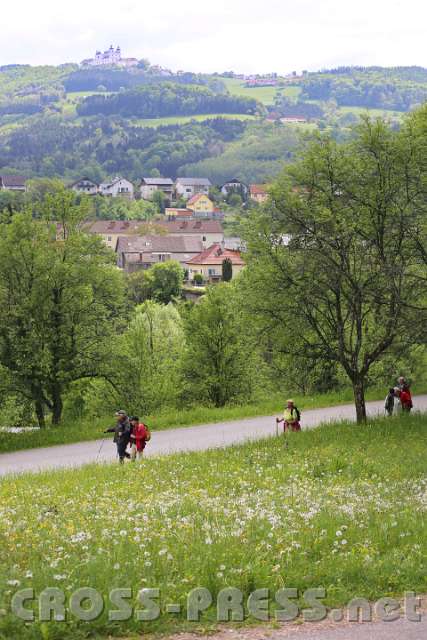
point(159, 122)
point(340, 507)
point(91, 429)
point(265, 95)
point(236, 87)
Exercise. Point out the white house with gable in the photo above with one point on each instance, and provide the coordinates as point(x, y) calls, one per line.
point(116, 188)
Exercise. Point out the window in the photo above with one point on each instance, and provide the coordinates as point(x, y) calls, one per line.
point(204, 239)
point(109, 238)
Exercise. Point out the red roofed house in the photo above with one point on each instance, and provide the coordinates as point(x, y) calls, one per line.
point(258, 192)
point(209, 263)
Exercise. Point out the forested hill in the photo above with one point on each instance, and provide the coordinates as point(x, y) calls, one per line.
point(397, 88)
point(68, 121)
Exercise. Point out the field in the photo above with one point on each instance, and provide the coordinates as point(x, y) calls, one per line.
point(340, 507)
point(265, 95)
point(91, 429)
point(159, 122)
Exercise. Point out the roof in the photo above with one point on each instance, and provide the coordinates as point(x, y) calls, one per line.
point(183, 213)
point(115, 226)
point(86, 179)
point(154, 181)
point(194, 182)
point(216, 254)
point(234, 181)
point(12, 181)
point(192, 226)
point(106, 185)
point(159, 244)
point(258, 189)
point(196, 198)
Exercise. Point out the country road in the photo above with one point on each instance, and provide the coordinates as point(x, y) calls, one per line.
point(197, 438)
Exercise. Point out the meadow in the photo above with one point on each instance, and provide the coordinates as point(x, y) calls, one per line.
point(340, 507)
point(265, 95)
point(161, 122)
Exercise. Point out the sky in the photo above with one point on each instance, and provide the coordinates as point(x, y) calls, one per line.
point(245, 36)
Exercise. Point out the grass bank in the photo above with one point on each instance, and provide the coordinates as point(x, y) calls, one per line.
point(339, 508)
point(91, 429)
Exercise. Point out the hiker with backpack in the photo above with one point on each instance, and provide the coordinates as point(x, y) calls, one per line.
point(139, 437)
point(389, 401)
point(406, 399)
point(122, 433)
point(291, 417)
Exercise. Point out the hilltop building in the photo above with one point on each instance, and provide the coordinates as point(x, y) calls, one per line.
point(110, 57)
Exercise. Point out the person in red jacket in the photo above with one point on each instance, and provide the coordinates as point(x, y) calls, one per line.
point(139, 437)
point(406, 399)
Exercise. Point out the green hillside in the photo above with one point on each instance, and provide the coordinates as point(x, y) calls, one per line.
point(67, 121)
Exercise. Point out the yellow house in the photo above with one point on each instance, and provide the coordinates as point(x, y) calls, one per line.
point(200, 203)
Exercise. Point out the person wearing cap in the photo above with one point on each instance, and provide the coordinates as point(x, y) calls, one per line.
point(122, 432)
point(291, 417)
point(140, 435)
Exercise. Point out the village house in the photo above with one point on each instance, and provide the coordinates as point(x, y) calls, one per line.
point(85, 185)
point(200, 203)
point(235, 186)
point(209, 263)
point(12, 183)
point(149, 186)
point(143, 252)
point(208, 231)
point(202, 207)
point(111, 230)
point(258, 193)
point(119, 187)
point(188, 187)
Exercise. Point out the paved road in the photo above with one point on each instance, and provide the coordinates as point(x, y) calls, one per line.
point(198, 438)
point(401, 629)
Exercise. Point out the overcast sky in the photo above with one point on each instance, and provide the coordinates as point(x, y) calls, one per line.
point(216, 35)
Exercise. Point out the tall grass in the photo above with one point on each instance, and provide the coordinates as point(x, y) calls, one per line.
point(339, 507)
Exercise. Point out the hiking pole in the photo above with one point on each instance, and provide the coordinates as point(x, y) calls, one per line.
point(99, 450)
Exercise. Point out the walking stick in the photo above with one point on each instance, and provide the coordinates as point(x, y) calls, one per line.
point(99, 450)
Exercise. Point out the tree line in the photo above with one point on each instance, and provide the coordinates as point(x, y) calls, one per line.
point(360, 90)
point(167, 99)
